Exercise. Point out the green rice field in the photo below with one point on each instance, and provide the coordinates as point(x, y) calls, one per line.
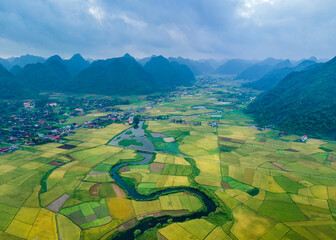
point(265, 186)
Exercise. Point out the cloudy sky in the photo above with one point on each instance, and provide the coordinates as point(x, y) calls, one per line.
point(190, 28)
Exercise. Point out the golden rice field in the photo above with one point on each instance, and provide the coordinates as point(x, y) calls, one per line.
point(264, 186)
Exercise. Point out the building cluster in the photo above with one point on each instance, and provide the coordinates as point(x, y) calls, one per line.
point(37, 122)
point(214, 123)
point(8, 149)
point(33, 123)
point(179, 121)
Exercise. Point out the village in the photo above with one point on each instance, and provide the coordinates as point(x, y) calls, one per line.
point(37, 122)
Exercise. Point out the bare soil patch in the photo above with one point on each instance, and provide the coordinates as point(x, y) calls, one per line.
point(175, 212)
point(56, 163)
point(56, 205)
point(67, 146)
point(128, 224)
point(225, 139)
point(279, 165)
point(225, 185)
point(98, 173)
point(71, 158)
point(119, 192)
point(332, 157)
point(124, 169)
point(291, 150)
point(187, 194)
point(152, 214)
point(156, 167)
point(94, 190)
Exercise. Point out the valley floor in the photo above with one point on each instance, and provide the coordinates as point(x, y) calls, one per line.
point(265, 185)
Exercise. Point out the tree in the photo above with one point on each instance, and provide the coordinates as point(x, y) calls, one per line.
point(136, 121)
point(137, 232)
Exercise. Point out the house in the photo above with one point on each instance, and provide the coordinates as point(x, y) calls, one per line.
point(197, 123)
point(4, 150)
point(213, 124)
point(29, 104)
point(52, 104)
point(54, 137)
point(79, 109)
point(282, 134)
point(41, 135)
point(304, 138)
point(169, 139)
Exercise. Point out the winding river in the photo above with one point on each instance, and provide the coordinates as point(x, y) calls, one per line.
point(151, 222)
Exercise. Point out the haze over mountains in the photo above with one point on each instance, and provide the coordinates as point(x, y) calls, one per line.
point(20, 61)
point(274, 76)
point(300, 96)
point(234, 66)
point(126, 75)
point(303, 102)
point(122, 75)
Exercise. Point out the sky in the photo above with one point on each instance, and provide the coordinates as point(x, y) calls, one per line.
point(198, 29)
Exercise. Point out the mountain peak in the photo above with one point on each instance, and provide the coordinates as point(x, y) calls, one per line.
point(160, 58)
point(55, 58)
point(332, 61)
point(127, 55)
point(77, 56)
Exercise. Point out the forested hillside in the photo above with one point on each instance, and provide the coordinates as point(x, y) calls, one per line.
point(303, 102)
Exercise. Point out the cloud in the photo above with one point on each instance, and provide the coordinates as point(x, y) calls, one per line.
point(249, 7)
point(96, 11)
point(191, 28)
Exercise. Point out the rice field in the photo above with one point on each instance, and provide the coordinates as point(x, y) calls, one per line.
point(276, 188)
point(272, 187)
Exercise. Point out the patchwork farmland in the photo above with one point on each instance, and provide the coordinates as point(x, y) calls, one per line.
point(264, 186)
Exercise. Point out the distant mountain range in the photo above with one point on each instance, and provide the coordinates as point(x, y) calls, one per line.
point(122, 75)
point(303, 102)
point(20, 61)
point(234, 66)
point(272, 78)
point(10, 87)
point(197, 67)
point(260, 69)
point(114, 76)
point(169, 73)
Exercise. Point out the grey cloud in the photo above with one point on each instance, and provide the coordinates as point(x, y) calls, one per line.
point(191, 28)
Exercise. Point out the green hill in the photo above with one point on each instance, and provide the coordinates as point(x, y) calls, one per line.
point(122, 75)
point(39, 77)
point(233, 66)
point(76, 64)
point(198, 67)
point(303, 102)
point(260, 69)
point(10, 87)
point(114, 76)
point(169, 74)
point(272, 78)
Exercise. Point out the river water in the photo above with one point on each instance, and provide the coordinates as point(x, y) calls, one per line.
point(152, 222)
point(146, 151)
